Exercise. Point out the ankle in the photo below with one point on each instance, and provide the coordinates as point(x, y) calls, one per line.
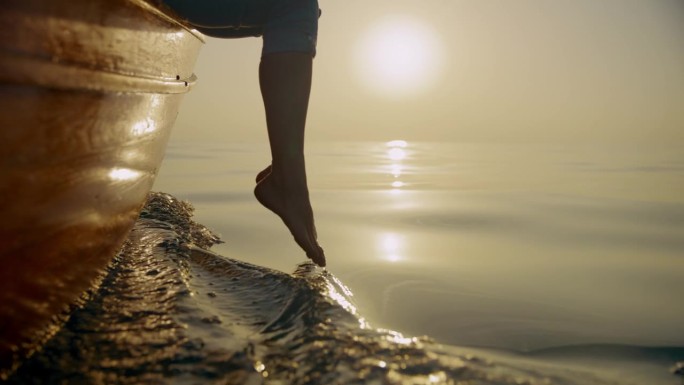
point(289, 169)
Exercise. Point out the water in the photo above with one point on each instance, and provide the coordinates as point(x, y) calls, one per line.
point(537, 263)
point(509, 246)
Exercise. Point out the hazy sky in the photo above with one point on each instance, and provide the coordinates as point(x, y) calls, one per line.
point(475, 70)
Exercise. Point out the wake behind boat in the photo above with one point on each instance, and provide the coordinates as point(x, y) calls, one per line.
point(170, 310)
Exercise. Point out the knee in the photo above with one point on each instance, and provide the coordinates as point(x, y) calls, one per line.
point(292, 27)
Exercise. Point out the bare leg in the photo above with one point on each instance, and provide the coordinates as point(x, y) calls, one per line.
point(285, 80)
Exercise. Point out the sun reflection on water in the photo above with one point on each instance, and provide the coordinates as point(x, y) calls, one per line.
point(396, 170)
point(390, 245)
point(397, 143)
point(396, 153)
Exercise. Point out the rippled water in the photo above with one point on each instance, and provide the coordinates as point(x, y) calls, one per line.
point(508, 246)
point(171, 311)
point(500, 245)
point(545, 264)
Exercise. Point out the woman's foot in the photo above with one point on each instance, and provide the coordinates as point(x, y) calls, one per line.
point(289, 199)
point(263, 173)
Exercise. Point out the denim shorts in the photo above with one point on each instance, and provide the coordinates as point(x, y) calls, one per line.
point(285, 25)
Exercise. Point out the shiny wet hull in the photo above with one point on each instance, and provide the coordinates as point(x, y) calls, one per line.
point(90, 91)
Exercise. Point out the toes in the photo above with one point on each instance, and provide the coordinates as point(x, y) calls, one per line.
point(318, 257)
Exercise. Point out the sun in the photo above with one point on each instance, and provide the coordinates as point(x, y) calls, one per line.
point(398, 56)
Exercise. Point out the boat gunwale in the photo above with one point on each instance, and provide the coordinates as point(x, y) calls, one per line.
point(146, 6)
point(26, 70)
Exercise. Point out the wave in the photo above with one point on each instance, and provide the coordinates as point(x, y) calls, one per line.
point(172, 311)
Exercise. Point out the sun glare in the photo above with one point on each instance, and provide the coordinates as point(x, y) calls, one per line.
point(398, 56)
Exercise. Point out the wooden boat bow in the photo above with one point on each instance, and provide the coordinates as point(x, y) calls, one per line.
point(89, 91)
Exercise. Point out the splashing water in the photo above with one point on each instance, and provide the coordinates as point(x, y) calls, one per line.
point(170, 310)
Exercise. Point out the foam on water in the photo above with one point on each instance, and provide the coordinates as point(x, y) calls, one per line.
point(171, 311)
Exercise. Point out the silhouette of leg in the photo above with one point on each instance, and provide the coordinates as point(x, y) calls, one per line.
point(263, 173)
point(285, 80)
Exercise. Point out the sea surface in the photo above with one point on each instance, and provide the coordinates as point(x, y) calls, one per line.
point(448, 263)
point(539, 249)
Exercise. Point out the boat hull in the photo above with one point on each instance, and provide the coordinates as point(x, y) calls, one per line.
point(89, 92)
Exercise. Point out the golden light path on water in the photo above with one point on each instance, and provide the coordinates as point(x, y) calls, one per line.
point(391, 244)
